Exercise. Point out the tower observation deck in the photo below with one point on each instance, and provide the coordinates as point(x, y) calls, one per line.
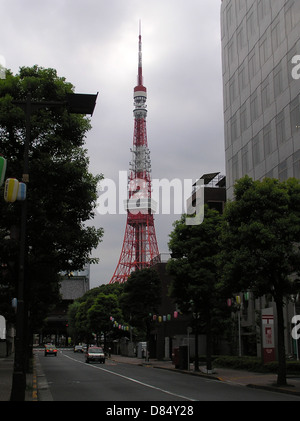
point(140, 249)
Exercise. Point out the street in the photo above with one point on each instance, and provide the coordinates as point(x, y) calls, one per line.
point(68, 377)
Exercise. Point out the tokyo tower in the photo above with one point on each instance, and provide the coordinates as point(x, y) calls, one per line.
point(140, 249)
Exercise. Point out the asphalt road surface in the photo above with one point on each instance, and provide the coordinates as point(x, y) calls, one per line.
point(68, 377)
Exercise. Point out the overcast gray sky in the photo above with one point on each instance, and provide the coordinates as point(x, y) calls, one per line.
point(94, 45)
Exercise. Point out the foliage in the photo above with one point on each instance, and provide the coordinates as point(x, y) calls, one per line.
point(253, 364)
point(141, 297)
point(260, 236)
point(260, 245)
point(91, 313)
point(98, 315)
point(195, 250)
point(61, 193)
point(240, 363)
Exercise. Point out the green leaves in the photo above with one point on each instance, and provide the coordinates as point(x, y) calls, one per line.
point(262, 226)
point(61, 192)
point(194, 269)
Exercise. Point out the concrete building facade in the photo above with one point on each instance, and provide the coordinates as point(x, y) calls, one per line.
point(261, 84)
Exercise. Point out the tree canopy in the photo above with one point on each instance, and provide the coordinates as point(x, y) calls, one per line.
point(195, 250)
point(61, 192)
point(141, 297)
point(91, 313)
point(260, 245)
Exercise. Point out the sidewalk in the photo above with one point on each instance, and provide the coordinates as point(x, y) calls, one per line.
point(265, 381)
point(6, 373)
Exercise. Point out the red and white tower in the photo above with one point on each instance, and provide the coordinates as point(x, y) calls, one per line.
point(140, 249)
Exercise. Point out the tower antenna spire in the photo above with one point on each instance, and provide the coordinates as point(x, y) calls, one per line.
point(140, 66)
point(140, 249)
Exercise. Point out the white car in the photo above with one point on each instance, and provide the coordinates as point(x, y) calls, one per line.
point(95, 353)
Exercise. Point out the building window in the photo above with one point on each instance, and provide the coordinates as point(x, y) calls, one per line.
point(280, 128)
point(270, 174)
point(256, 150)
point(267, 139)
point(235, 167)
point(262, 9)
point(231, 52)
point(232, 89)
point(297, 164)
point(229, 16)
point(245, 160)
point(295, 115)
point(240, 38)
point(254, 112)
point(291, 14)
point(251, 65)
point(250, 24)
point(234, 128)
point(264, 50)
point(242, 77)
point(292, 52)
point(282, 171)
point(243, 118)
point(275, 35)
point(278, 79)
point(265, 93)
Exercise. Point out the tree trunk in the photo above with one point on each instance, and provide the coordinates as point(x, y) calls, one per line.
point(196, 347)
point(208, 344)
point(281, 375)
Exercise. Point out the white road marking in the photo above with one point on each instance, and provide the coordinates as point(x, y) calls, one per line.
point(131, 379)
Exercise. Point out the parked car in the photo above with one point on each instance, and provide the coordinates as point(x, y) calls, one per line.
point(95, 353)
point(50, 350)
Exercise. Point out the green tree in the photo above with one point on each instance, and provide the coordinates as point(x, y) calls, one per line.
point(82, 327)
point(194, 271)
point(260, 244)
point(91, 312)
point(105, 305)
point(141, 297)
point(61, 192)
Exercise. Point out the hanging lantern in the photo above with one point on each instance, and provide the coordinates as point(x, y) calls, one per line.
point(21, 191)
point(169, 317)
point(164, 318)
point(238, 299)
point(159, 319)
point(154, 317)
point(246, 296)
point(3, 163)
point(11, 190)
point(175, 314)
point(229, 302)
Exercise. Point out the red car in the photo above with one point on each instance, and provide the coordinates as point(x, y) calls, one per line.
point(50, 349)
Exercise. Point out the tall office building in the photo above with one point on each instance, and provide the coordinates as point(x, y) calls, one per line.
point(261, 82)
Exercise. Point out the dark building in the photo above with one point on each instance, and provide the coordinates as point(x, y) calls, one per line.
point(73, 286)
point(168, 327)
point(210, 189)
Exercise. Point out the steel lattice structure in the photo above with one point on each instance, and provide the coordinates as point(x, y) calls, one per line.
point(140, 249)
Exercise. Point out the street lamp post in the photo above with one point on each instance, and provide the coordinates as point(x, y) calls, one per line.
point(78, 104)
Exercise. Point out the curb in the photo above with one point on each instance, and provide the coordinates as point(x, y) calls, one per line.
point(270, 388)
point(277, 389)
point(34, 383)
